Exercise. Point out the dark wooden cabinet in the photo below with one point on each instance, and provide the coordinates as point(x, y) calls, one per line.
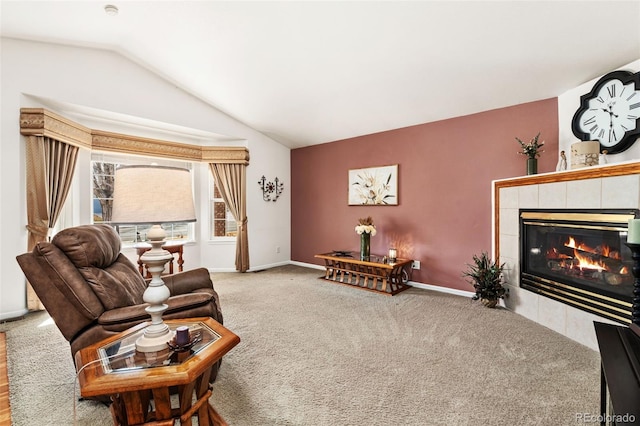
point(620, 373)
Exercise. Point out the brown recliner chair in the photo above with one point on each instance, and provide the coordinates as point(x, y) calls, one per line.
point(92, 291)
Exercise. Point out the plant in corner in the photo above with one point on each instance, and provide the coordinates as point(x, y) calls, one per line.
point(486, 277)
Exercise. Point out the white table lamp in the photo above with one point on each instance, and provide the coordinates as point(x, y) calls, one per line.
point(153, 195)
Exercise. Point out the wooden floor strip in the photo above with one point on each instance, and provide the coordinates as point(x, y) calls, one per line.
point(5, 406)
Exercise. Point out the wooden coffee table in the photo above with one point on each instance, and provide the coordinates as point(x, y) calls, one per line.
point(139, 385)
point(374, 274)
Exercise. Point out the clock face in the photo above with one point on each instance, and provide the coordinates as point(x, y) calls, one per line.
point(610, 113)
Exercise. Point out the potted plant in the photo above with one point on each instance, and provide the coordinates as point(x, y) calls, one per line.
point(532, 150)
point(486, 277)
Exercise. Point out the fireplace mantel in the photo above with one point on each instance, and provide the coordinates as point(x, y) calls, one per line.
point(614, 186)
point(622, 169)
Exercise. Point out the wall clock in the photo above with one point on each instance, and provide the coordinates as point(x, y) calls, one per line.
point(610, 112)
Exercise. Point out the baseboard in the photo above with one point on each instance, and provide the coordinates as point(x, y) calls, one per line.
point(307, 265)
point(441, 289)
point(423, 286)
point(211, 270)
point(8, 316)
point(268, 266)
point(252, 269)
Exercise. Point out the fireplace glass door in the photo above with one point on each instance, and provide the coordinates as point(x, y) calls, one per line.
point(579, 258)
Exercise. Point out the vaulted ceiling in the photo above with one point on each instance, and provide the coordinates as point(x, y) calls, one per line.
point(306, 72)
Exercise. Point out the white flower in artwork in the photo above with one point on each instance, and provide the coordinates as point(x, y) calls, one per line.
point(372, 188)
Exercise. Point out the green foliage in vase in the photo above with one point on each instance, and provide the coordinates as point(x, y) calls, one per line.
point(531, 149)
point(486, 277)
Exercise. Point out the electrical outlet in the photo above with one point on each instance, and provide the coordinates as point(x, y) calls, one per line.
point(278, 249)
point(415, 264)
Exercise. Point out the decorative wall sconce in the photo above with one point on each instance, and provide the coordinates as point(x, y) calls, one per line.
point(271, 190)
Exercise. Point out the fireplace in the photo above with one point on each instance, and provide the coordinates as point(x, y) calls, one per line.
point(578, 257)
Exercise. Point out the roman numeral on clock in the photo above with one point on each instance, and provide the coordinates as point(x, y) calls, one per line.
point(612, 91)
point(590, 121)
point(634, 106)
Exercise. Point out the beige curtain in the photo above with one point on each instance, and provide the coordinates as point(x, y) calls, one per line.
point(231, 182)
point(50, 167)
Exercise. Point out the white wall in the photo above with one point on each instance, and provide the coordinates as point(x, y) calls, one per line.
point(104, 80)
point(569, 102)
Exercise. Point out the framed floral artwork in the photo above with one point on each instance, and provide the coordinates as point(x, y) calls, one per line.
point(374, 186)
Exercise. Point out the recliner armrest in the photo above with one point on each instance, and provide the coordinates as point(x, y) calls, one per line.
point(137, 313)
point(188, 281)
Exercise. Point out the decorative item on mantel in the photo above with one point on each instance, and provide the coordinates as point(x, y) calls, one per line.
point(486, 277)
point(366, 229)
point(603, 157)
point(270, 190)
point(532, 151)
point(585, 154)
point(562, 162)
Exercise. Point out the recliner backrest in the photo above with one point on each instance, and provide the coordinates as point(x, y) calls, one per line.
point(95, 251)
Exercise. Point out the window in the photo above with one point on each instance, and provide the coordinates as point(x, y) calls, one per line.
point(103, 171)
point(223, 224)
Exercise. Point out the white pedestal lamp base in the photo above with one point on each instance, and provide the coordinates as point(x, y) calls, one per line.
point(157, 335)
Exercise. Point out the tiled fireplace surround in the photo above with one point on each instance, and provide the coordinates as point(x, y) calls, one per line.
point(614, 186)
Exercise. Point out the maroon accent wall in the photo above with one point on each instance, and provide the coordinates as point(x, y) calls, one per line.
point(445, 170)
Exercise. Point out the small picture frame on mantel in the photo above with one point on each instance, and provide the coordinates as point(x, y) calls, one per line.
point(374, 186)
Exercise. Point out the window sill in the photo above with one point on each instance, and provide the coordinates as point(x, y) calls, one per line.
point(130, 245)
point(222, 241)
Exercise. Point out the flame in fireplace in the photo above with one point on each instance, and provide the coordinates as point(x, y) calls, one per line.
point(602, 250)
point(584, 255)
point(572, 244)
point(587, 263)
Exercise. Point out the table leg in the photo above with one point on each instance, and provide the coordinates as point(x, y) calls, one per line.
point(180, 261)
point(216, 419)
point(328, 269)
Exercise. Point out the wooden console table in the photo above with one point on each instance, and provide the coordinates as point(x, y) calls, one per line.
point(373, 274)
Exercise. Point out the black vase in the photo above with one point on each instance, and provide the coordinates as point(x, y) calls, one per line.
point(365, 246)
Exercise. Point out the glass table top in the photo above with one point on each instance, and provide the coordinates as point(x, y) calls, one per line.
point(374, 258)
point(121, 355)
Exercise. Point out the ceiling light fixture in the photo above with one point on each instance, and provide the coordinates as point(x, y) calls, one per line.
point(111, 10)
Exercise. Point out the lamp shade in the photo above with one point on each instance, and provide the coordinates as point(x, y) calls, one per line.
point(152, 194)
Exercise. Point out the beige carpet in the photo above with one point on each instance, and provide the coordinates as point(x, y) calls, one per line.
point(317, 353)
